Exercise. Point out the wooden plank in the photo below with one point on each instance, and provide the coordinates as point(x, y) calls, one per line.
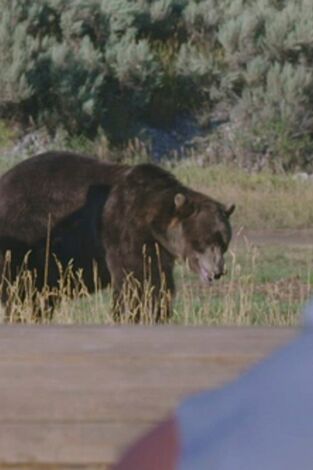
point(134, 340)
point(47, 466)
point(76, 396)
point(64, 443)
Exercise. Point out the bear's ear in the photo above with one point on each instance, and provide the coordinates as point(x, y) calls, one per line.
point(230, 209)
point(179, 200)
point(183, 206)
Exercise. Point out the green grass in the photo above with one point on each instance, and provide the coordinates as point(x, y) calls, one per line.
point(266, 285)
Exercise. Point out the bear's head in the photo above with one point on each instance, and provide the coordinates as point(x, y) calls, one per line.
point(199, 232)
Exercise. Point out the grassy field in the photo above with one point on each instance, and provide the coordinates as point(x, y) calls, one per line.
point(263, 200)
point(267, 283)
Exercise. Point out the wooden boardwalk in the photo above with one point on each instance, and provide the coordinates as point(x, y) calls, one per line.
point(73, 397)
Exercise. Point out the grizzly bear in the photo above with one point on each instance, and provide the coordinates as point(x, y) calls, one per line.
point(127, 224)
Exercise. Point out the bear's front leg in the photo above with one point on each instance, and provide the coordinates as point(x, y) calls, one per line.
point(141, 302)
point(143, 291)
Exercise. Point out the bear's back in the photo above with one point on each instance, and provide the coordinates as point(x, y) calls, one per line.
point(50, 185)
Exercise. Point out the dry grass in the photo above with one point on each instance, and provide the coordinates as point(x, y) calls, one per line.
point(263, 200)
point(264, 287)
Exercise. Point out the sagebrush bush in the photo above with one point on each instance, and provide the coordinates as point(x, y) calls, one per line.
point(6, 134)
point(118, 65)
point(268, 50)
point(92, 64)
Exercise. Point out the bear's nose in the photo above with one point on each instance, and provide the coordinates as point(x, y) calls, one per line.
point(218, 275)
point(221, 273)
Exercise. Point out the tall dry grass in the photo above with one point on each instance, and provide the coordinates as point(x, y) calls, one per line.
point(240, 298)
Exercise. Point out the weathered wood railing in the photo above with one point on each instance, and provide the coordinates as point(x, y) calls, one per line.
point(73, 397)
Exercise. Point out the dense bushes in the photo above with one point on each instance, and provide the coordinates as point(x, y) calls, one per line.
point(268, 50)
point(97, 63)
point(120, 64)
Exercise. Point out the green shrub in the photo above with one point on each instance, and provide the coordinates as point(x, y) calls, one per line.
point(91, 64)
point(6, 134)
point(118, 65)
point(268, 48)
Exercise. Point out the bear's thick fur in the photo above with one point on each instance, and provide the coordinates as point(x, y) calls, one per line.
point(129, 222)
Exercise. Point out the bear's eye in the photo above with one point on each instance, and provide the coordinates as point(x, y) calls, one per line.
point(197, 246)
point(219, 241)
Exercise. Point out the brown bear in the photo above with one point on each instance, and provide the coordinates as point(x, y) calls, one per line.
point(130, 222)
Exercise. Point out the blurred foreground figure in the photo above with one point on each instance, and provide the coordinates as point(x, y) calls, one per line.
point(261, 421)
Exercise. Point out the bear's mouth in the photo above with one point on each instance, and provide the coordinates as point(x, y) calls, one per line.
point(205, 274)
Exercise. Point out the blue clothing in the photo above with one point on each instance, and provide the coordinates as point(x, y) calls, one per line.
point(262, 421)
